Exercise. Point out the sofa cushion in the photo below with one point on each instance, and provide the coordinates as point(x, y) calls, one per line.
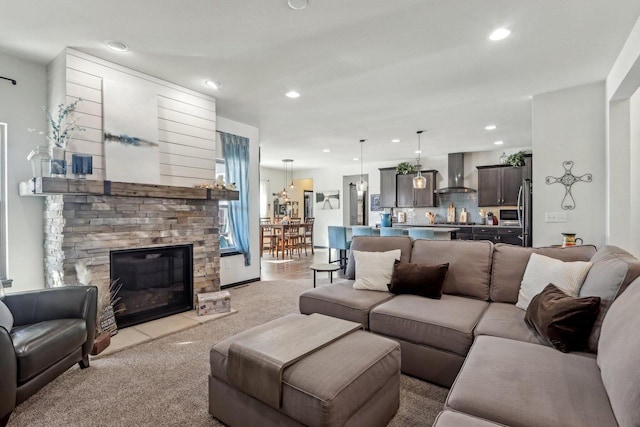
point(507, 321)
point(418, 279)
point(542, 270)
point(612, 271)
point(342, 301)
point(562, 320)
point(374, 269)
point(509, 263)
point(377, 244)
point(429, 322)
point(456, 419)
point(618, 355)
point(469, 264)
point(524, 384)
point(42, 344)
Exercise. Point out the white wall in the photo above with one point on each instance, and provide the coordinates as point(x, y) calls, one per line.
point(232, 268)
point(623, 146)
point(21, 109)
point(569, 124)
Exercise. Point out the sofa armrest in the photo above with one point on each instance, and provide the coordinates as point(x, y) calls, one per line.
point(68, 302)
point(8, 373)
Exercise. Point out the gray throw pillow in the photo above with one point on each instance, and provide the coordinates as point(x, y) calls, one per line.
point(6, 318)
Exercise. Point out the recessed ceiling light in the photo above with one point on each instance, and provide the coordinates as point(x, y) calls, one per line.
point(491, 127)
point(499, 34)
point(395, 140)
point(499, 142)
point(326, 150)
point(116, 45)
point(292, 94)
point(297, 4)
point(418, 151)
point(356, 159)
point(212, 84)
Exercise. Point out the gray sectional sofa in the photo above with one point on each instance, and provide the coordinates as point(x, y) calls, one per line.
point(475, 339)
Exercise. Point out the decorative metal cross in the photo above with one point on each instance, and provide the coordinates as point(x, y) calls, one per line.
point(568, 179)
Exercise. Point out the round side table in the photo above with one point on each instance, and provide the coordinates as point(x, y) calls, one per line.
point(330, 268)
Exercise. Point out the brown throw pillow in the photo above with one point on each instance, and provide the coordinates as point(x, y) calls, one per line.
point(418, 279)
point(562, 320)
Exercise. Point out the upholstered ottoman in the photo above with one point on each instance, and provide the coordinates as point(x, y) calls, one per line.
point(352, 380)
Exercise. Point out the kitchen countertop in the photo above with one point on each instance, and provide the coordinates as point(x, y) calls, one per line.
point(457, 226)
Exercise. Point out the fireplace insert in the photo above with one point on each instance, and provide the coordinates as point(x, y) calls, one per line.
point(155, 282)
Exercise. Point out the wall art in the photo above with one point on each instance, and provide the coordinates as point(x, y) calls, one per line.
point(328, 200)
point(568, 179)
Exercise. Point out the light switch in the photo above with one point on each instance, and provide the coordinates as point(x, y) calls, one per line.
point(555, 217)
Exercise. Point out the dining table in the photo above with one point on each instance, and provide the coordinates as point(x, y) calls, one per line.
point(277, 231)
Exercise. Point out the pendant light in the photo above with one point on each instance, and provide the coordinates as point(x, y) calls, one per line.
point(361, 186)
point(292, 185)
point(419, 181)
point(283, 193)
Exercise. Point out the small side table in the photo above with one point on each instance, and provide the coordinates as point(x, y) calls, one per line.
point(330, 268)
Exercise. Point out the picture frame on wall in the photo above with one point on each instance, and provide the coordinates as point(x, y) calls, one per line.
point(328, 200)
point(375, 203)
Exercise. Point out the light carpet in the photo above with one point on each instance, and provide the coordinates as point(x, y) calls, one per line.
point(164, 382)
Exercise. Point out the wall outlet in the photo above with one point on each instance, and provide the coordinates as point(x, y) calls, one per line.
point(555, 217)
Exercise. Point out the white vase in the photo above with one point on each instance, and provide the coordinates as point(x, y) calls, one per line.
point(40, 159)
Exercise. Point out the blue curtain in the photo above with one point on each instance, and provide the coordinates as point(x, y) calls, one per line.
point(236, 156)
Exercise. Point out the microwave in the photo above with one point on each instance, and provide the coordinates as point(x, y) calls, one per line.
point(509, 217)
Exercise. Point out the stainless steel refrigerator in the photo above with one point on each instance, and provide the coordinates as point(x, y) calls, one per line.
point(524, 211)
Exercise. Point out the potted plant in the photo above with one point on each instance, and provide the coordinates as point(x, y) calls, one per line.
point(404, 168)
point(516, 159)
point(106, 325)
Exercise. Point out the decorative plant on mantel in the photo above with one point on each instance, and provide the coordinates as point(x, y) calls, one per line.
point(516, 159)
point(404, 168)
point(61, 126)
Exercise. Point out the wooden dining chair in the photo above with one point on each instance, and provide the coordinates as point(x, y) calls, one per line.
point(294, 239)
point(308, 234)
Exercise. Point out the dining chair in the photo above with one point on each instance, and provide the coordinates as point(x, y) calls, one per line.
point(338, 241)
point(421, 233)
point(269, 239)
point(388, 231)
point(265, 220)
point(293, 239)
point(308, 234)
point(361, 231)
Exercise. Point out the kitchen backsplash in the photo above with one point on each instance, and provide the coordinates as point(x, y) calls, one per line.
point(469, 201)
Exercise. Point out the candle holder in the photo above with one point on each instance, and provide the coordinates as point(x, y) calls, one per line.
point(81, 165)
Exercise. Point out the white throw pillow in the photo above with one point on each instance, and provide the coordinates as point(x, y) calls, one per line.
point(542, 270)
point(374, 269)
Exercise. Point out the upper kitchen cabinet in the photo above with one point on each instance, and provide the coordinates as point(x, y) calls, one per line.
point(499, 185)
point(388, 187)
point(408, 197)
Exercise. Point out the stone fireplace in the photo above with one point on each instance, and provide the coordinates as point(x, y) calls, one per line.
point(85, 221)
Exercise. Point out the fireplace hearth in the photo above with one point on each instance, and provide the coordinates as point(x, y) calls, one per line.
point(155, 282)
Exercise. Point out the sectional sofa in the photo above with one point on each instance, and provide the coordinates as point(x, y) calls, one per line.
point(475, 340)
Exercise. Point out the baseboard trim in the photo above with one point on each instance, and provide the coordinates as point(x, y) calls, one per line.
point(244, 282)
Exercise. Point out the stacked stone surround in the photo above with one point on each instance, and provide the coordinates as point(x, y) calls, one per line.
point(88, 227)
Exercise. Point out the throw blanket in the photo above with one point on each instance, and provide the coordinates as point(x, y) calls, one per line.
point(255, 364)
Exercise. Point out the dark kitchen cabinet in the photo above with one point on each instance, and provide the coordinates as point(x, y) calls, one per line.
point(408, 197)
point(499, 185)
point(498, 234)
point(387, 187)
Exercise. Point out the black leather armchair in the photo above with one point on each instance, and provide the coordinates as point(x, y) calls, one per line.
point(53, 329)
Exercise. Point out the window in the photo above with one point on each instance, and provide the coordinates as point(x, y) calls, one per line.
point(227, 244)
point(3, 207)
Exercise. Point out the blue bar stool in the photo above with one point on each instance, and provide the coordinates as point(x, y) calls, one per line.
point(421, 233)
point(338, 240)
point(361, 231)
point(388, 231)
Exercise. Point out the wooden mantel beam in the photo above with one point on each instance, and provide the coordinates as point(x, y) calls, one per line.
point(52, 186)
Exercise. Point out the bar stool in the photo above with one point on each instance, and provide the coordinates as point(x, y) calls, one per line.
point(361, 231)
point(338, 240)
point(388, 231)
point(421, 233)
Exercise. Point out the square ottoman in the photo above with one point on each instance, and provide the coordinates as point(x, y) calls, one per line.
point(352, 381)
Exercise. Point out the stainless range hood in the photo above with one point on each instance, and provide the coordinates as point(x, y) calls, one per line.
point(455, 176)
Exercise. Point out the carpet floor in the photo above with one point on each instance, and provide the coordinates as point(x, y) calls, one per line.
point(164, 382)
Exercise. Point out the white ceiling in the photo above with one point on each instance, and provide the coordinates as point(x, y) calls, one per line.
point(373, 69)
